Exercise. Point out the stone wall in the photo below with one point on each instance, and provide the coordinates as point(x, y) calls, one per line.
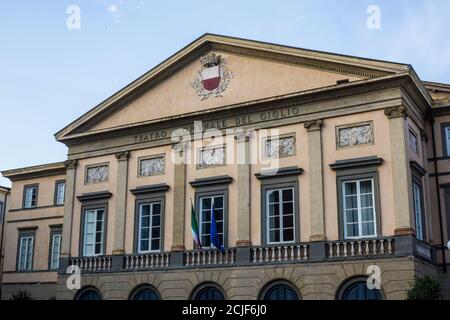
point(313, 280)
point(38, 291)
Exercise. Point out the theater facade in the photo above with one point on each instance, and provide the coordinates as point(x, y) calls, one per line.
point(325, 177)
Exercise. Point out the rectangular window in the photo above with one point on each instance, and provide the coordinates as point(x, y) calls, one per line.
point(55, 251)
point(359, 209)
point(60, 193)
point(206, 205)
point(280, 215)
point(30, 196)
point(447, 139)
point(93, 238)
point(418, 211)
point(413, 142)
point(149, 234)
point(26, 246)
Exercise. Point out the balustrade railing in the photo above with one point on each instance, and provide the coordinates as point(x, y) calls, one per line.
point(209, 257)
point(92, 264)
point(146, 261)
point(281, 253)
point(360, 248)
point(424, 250)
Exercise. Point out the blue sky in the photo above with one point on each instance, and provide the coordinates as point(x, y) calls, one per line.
point(50, 75)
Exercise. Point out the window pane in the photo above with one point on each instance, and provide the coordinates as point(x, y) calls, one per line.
point(144, 245)
point(145, 233)
point(156, 219)
point(156, 208)
point(288, 195)
point(367, 215)
point(206, 203)
point(288, 222)
point(350, 188)
point(288, 234)
point(274, 196)
point(351, 216)
point(366, 186)
point(351, 202)
point(288, 208)
point(274, 209)
point(352, 230)
point(368, 229)
point(366, 201)
point(155, 232)
point(218, 202)
point(274, 235)
point(155, 244)
point(274, 222)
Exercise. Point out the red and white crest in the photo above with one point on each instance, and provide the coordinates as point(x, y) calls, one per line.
point(213, 78)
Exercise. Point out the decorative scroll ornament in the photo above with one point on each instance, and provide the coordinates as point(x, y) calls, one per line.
point(213, 78)
point(355, 135)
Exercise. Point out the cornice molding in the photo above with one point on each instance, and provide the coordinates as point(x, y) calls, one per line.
point(162, 187)
point(356, 163)
point(94, 196)
point(281, 172)
point(211, 181)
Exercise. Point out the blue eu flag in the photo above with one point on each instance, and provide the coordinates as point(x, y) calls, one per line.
point(215, 239)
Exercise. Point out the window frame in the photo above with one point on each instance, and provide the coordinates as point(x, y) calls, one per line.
point(274, 183)
point(84, 209)
point(2, 213)
point(348, 175)
point(55, 198)
point(213, 191)
point(29, 186)
point(54, 231)
point(26, 233)
point(359, 208)
point(149, 199)
point(413, 147)
point(445, 127)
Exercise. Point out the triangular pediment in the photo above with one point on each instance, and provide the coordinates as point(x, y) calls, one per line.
point(246, 71)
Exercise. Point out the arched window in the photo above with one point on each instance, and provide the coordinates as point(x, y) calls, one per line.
point(145, 292)
point(208, 291)
point(88, 293)
point(356, 289)
point(279, 290)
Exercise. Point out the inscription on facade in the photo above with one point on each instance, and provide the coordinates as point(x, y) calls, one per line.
point(231, 122)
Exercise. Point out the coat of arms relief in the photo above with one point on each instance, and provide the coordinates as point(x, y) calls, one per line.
point(213, 78)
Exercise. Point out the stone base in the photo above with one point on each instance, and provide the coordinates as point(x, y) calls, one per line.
point(243, 243)
point(313, 280)
point(404, 231)
point(38, 291)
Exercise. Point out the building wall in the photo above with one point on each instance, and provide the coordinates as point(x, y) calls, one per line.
point(40, 281)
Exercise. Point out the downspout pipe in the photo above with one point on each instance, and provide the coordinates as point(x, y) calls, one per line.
point(438, 193)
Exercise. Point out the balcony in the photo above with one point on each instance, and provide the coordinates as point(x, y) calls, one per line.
point(382, 247)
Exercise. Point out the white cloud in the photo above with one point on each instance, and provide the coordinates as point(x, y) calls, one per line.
point(112, 8)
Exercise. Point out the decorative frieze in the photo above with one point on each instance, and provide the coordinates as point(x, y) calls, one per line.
point(279, 147)
point(97, 173)
point(211, 157)
point(152, 166)
point(353, 135)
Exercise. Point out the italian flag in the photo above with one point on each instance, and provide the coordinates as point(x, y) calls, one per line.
point(194, 227)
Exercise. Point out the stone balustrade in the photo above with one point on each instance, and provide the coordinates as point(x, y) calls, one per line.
point(209, 257)
point(92, 264)
point(146, 261)
point(360, 248)
point(270, 254)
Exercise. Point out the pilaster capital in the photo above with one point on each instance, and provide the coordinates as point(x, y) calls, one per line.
point(242, 135)
point(313, 125)
point(70, 164)
point(396, 112)
point(122, 156)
